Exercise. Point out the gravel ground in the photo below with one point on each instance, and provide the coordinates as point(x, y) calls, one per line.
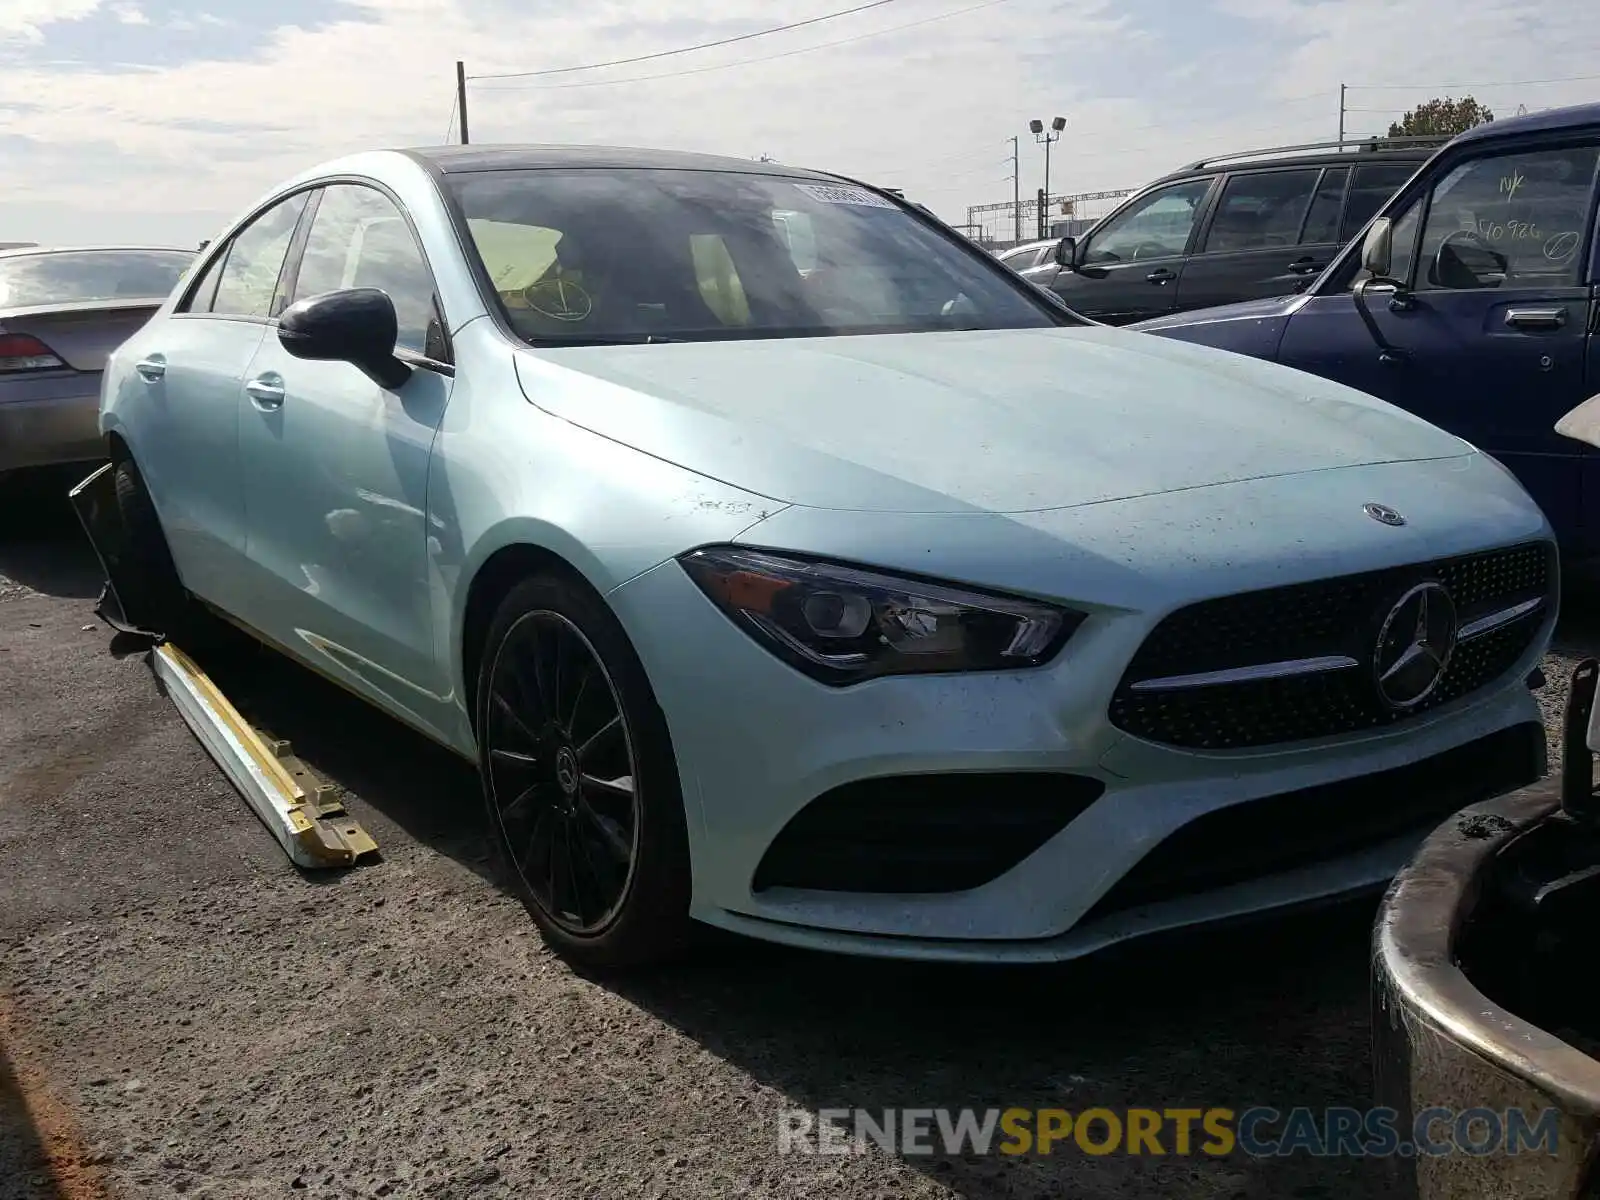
point(182, 1012)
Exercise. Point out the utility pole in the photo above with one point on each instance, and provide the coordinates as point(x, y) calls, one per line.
point(1016, 192)
point(1341, 112)
point(461, 97)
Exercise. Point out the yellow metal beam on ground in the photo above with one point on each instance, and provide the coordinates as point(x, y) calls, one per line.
point(299, 809)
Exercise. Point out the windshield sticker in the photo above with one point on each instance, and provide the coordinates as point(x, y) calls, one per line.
point(834, 194)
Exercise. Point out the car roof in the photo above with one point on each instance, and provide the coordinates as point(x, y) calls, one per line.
point(452, 159)
point(35, 251)
point(1539, 122)
point(1316, 154)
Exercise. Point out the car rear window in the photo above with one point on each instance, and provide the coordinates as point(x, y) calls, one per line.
point(82, 276)
point(1370, 191)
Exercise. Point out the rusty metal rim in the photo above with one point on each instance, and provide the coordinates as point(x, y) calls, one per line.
point(1415, 946)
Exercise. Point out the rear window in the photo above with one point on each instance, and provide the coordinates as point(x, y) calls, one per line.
point(90, 275)
point(1370, 191)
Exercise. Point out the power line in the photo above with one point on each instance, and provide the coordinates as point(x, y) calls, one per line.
point(742, 62)
point(743, 37)
point(1413, 87)
point(450, 126)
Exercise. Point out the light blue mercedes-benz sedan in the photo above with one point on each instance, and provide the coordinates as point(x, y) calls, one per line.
point(787, 564)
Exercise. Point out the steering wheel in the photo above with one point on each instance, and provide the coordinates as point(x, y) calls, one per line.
point(559, 300)
point(1150, 250)
point(1465, 237)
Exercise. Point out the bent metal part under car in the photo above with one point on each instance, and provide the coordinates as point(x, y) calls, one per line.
point(873, 603)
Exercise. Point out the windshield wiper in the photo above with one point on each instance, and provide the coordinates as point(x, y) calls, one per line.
point(643, 339)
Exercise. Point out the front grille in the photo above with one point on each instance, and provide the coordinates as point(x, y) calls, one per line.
point(1318, 824)
point(1329, 618)
point(922, 833)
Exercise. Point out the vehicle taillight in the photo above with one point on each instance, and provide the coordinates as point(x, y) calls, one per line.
point(24, 352)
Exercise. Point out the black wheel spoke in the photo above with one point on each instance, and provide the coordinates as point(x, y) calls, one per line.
point(566, 795)
point(570, 717)
point(514, 759)
point(608, 835)
point(522, 801)
point(614, 725)
point(621, 787)
point(506, 710)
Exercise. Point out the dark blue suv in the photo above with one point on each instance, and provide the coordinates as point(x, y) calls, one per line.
point(1471, 301)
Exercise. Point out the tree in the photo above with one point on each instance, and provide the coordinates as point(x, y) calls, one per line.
point(1447, 116)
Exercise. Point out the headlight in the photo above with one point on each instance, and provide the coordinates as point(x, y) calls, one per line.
point(842, 624)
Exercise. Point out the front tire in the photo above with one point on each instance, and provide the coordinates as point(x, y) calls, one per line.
point(580, 785)
point(151, 592)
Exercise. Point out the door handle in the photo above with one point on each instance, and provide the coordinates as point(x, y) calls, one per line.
point(1536, 318)
point(1160, 275)
point(1305, 266)
point(265, 392)
point(151, 368)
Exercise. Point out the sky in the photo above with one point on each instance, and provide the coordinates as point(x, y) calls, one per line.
point(159, 121)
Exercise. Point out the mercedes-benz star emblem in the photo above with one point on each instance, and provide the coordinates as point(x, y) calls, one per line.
point(1383, 514)
point(1414, 646)
point(567, 770)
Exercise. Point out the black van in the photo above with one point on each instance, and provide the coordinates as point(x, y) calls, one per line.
point(1237, 227)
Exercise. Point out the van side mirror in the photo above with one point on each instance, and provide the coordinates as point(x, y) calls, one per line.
point(357, 326)
point(1377, 250)
point(1067, 254)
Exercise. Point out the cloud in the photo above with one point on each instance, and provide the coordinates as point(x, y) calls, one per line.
point(232, 97)
point(26, 20)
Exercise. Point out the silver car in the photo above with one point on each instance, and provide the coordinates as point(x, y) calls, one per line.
point(61, 313)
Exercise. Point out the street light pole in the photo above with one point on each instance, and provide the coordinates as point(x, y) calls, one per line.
point(1045, 138)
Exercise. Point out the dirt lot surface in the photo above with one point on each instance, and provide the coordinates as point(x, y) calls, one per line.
point(182, 1012)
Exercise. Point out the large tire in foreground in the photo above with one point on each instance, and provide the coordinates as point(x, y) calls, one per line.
point(148, 584)
point(585, 813)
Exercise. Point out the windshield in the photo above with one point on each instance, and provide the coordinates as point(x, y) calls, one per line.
point(89, 275)
point(630, 255)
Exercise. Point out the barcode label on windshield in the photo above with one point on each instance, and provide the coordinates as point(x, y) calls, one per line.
point(835, 194)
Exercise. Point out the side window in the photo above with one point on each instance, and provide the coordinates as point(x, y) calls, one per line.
point(1261, 210)
point(249, 278)
point(205, 289)
point(1156, 225)
point(1370, 191)
point(359, 239)
point(1322, 222)
point(1509, 220)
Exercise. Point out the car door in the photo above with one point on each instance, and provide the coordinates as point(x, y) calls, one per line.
point(1270, 233)
point(1489, 337)
point(1131, 264)
point(191, 369)
point(335, 468)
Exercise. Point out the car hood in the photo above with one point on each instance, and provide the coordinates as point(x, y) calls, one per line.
point(1271, 309)
point(997, 421)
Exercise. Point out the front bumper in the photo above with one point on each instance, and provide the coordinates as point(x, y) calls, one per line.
point(51, 419)
point(756, 743)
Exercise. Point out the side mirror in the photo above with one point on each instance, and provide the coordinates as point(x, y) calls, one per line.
point(357, 326)
point(1067, 254)
point(1378, 248)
